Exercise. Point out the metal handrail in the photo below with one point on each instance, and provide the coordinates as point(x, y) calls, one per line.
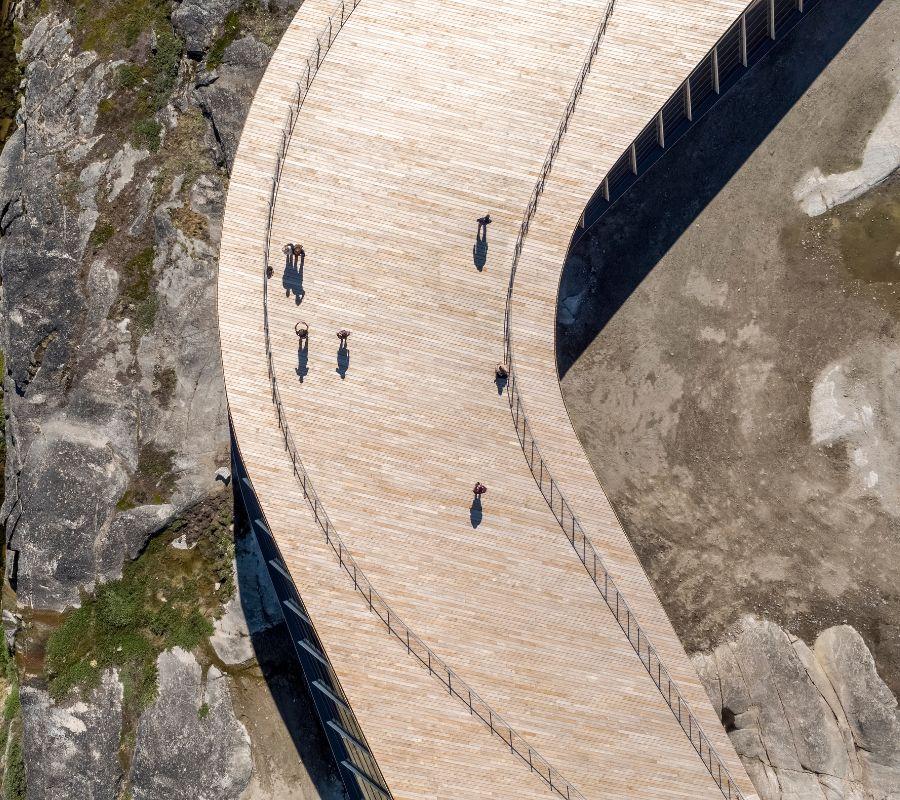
point(436, 666)
point(555, 498)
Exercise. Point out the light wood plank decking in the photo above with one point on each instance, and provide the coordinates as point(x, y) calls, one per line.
point(424, 116)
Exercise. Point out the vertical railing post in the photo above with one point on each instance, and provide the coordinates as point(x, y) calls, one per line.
point(715, 69)
point(743, 40)
point(771, 15)
point(688, 109)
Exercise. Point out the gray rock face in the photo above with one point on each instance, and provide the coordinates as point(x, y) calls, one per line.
point(225, 94)
point(82, 404)
point(253, 608)
point(196, 22)
point(189, 743)
point(72, 750)
point(57, 455)
point(808, 724)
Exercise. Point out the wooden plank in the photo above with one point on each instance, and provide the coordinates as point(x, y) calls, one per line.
point(423, 117)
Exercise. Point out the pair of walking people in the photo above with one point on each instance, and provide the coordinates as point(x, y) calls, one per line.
point(302, 331)
point(294, 253)
point(343, 354)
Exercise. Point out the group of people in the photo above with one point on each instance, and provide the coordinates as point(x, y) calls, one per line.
point(296, 255)
point(302, 331)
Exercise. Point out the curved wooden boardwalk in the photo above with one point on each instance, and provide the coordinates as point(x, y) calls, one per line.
point(422, 117)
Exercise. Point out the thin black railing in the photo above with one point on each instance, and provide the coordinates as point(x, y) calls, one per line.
point(750, 37)
point(451, 680)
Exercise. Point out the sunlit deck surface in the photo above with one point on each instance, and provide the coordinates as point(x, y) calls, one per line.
point(424, 116)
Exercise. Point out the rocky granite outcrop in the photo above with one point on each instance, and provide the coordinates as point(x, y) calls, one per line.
point(252, 609)
point(71, 749)
point(112, 193)
point(808, 723)
point(222, 93)
point(84, 406)
point(94, 403)
point(196, 22)
point(189, 743)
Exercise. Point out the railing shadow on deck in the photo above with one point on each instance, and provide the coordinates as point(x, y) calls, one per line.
point(699, 165)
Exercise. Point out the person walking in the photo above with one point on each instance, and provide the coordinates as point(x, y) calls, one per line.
point(343, 334)
point(299, 254)
point(483, 222)
point(479, 489)
point(302, 331)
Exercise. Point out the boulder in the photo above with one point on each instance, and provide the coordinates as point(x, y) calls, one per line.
point(71, 749)
point(197, 21)
point(189, 743)
point(808, 723)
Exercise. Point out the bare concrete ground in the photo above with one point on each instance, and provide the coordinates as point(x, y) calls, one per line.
point(291, 758)
point(733, 366)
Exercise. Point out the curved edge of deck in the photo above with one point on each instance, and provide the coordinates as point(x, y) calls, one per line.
point(757, 28)
point(367, 776)
point(360, 772)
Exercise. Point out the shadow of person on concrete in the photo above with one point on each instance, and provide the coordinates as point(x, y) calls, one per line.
point(479, 254)
point(649, 218)
point(476, 513)
point(303, 360)
point(343, 360)
point(500, 381)
point(280, 670)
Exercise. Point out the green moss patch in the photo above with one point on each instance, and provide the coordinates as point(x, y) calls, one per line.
point(153, 480)
point(165, 381)
point(11, 760)
point(14, 774)
point(231, 29)
point(137, 296)
point(166, 598)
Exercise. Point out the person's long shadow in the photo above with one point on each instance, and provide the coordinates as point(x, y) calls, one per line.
point(343, 361)
point(303, 360)
point(292, 278)
point(639, 229)
point(500, 381)
point(476, 513)
point(479, 253)
point(278, 663)
point(288, 276)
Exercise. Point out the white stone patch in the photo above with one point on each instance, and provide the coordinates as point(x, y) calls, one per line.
point(121, 168)
point(716, 335)
point(853, 402)
point(816, 192)
point(711, 294)
point(69, 721)
point(749, 334)
point(832, 414)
